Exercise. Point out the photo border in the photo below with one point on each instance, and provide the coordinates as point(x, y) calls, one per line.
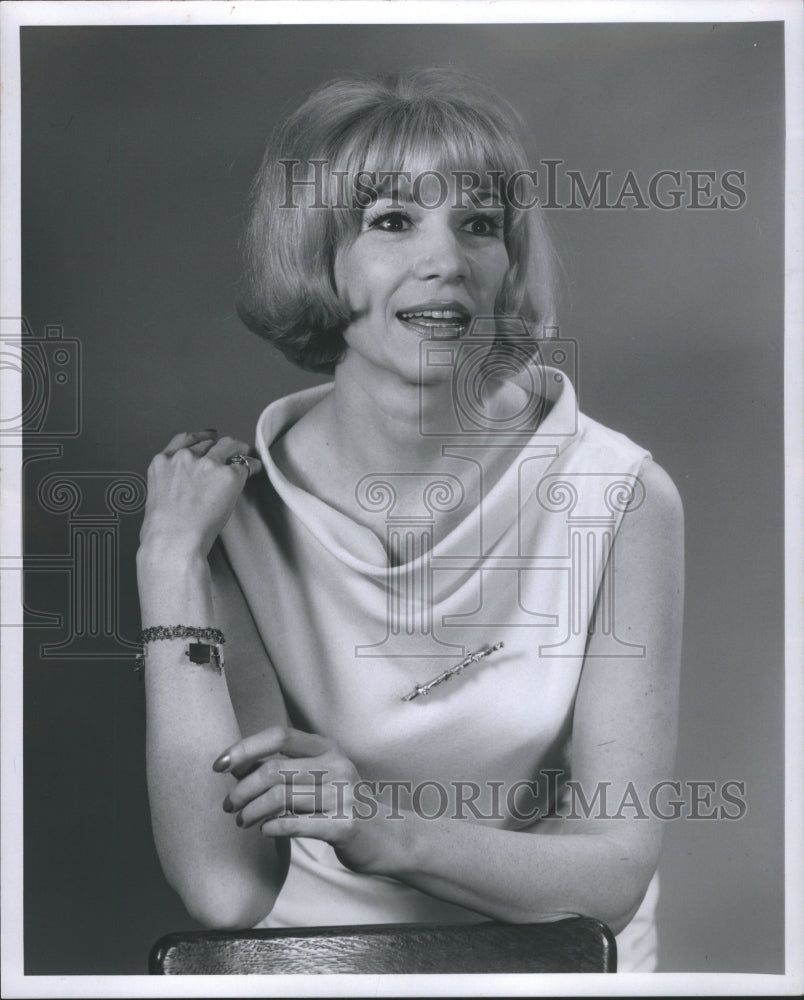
point(16, 14)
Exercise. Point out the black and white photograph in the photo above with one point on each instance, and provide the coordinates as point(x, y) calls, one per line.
point(401, 448)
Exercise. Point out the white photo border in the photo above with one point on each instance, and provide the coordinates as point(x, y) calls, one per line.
point(13, 15)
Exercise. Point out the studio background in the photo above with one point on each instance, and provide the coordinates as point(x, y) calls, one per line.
point(138, 148)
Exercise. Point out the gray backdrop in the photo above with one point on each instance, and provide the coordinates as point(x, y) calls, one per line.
point(139, 145)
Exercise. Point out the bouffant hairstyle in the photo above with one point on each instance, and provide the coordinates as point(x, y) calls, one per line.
point(442, 118)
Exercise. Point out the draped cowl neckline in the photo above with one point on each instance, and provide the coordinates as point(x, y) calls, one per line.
point(356, 545)
point(348, 636)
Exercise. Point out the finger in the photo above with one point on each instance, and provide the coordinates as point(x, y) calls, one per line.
point(254, 781)
point(188, 438)
point(274, 802)
point(286, 826)
point(227, 448)
point(278, 772)
point(302, 826)
point(318, 799)
point(276, 739)
point(251, 466)
point(202, 447)
point(243, 770)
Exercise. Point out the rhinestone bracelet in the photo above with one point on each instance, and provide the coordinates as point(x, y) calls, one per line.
point(206, 649)
point(213, 635)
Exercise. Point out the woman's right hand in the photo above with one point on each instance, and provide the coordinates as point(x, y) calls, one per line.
point(192, 492)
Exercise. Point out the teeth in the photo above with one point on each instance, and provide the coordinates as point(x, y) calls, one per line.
point(450, 314)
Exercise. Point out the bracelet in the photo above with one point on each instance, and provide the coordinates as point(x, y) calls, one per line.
point(213, 635)
point(203, 652)
point(196, 652)
point(208, 647)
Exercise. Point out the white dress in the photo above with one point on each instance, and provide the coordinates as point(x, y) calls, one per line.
point(349, 636)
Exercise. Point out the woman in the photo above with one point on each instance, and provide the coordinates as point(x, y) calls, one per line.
point(439, 512)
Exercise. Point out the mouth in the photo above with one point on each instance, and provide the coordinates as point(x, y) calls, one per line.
point(442, 319)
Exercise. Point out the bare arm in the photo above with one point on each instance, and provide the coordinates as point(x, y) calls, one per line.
point(226, 877)
point(624, 731)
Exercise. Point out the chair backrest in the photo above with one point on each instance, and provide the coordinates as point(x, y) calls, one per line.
point(577, 944)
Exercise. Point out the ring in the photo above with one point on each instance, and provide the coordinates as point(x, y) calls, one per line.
point(237, 460)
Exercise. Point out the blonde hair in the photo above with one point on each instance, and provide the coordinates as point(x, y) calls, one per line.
point(439, 117)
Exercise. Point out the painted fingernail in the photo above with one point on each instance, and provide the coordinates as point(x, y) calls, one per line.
point(223, 763)
point(227, 805)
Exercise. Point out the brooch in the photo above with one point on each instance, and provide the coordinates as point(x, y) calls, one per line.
point(452, 671)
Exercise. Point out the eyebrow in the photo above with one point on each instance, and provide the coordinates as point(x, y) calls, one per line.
point(389, 188)
point(399, 188)
point(482, 197)
point(466, 198)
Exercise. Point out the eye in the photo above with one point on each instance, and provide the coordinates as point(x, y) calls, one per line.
point(483, 225)
point(390, 222)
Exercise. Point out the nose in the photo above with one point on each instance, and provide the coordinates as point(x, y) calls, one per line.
point(441, 255)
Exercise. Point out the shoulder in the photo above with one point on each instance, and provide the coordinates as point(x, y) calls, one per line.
point(302, 452)
point(607, 447)
point(290, 415)
point(652, 529)
point(646, 567)
point(655, 497)
point(659, 502)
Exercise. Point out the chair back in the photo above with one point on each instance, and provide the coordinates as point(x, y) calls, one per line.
point(577, 944)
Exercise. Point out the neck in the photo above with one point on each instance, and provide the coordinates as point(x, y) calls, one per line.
point(377, 417)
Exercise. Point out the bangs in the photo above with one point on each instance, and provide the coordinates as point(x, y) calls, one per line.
point(431, 136)
point(427, 134)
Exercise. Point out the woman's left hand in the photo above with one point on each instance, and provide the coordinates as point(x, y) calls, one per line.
point(297, 784)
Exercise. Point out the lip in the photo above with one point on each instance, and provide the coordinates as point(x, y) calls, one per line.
point(437, 326)
point(440, 305)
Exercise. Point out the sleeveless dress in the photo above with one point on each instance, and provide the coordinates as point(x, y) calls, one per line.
point(349, 636)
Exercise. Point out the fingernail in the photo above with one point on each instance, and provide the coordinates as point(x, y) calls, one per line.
point(227, 805)
point(239, 819)
point(223, 763)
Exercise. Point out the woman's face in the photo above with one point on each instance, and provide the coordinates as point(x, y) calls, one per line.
point(415, 272)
